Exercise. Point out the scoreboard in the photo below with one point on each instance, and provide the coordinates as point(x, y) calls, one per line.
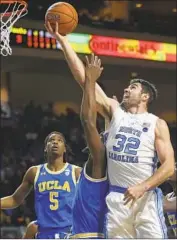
point(31, 38)
point(100, 45)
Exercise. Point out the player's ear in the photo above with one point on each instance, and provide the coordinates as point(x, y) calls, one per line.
point(145, 97)
point(45, 149)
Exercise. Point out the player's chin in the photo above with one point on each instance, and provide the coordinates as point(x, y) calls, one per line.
point(55, 152)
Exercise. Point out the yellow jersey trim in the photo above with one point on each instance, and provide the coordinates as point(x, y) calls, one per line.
point(37, 175)
point(87, 235)
point(58, 172)
point(93, 179)
point(74, 174)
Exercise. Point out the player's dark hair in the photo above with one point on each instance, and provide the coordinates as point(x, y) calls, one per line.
point(68, 149)
point(147, 88)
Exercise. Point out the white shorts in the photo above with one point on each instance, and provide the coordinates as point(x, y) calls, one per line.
point(144, 220)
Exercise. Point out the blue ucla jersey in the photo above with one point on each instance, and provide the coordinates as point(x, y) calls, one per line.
point(89, 207)
point(172, 218)
point(54, 194)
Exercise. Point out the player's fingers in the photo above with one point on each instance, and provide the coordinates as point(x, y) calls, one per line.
point(132, 204)
point(96, 61)
point(126, 194)
point(92, 58)
point(87, 60)
point(99, 62)
point(56, 27)
point(129, 199)
point(101, 69)
point(49, 27)
point(114, 97)
point(46, 27)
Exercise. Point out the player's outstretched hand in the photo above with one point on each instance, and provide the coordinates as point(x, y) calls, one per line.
point(93, 68)
point(133, 193)
point(54, 32)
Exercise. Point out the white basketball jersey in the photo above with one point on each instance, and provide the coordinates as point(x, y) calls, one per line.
point(131, 154)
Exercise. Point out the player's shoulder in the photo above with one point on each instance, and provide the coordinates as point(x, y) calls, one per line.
point(30, 175)
point(114, 104)
point(32, 171)
point(161, 125)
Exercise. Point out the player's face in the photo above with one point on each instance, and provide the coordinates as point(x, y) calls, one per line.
point(133, 95)
point(56, 145)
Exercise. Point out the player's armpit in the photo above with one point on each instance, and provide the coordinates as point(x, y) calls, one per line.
point(22, 191)
point(105, 105)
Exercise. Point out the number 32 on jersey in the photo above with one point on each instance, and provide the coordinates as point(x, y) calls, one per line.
point(127, 145)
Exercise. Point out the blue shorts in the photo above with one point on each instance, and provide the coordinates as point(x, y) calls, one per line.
point(53, 233)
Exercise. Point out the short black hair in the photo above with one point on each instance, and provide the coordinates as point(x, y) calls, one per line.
point(147, 88)
point(57, 133)
point(68, 149)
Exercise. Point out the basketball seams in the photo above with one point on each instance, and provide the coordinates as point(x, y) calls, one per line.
point(74, 25)
point(57, 12)
point(71, 9)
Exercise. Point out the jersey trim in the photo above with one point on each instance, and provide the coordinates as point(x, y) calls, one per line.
point(37, 175)
point(58, 172)
point(93, 179)
point(88, 235)
point(74, 173)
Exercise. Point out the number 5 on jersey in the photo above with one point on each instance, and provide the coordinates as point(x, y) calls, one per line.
point(53, 197)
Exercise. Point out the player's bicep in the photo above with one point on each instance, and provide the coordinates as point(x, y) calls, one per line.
point(163, 143)
point(25, 187)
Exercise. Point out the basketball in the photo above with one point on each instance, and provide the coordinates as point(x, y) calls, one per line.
point(66, 16)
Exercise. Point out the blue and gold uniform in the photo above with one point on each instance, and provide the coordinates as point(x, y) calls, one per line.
point(54, 194)
point(89, 207)
point(172, 217)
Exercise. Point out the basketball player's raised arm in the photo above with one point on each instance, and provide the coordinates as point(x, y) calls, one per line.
point(105, 105)
point(88, 119)
point(165, 154)
point(22, 191)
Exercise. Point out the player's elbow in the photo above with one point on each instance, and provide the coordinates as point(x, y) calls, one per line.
point(170, 169)
point(16, 202)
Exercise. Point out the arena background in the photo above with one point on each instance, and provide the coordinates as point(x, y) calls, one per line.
point(39, 94)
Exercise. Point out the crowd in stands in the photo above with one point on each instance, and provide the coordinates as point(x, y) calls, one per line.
point(22, 142)
point(139, 20)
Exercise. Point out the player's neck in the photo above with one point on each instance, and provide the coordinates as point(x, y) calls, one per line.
point(56, 164)
point(137, 109)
